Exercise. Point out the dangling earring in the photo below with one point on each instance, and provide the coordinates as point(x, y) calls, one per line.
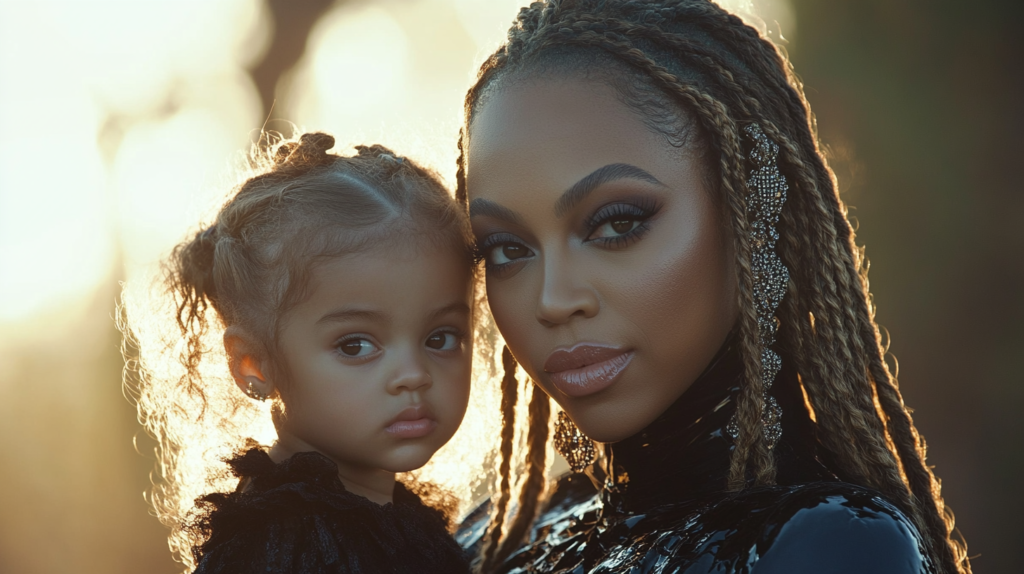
point(255, 394)
point(766, 188)
point(570, 442)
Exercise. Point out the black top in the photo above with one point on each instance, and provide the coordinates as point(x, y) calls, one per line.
point(297, 517)
point(664, 506)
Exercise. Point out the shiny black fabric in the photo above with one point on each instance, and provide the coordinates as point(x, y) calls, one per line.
point(663, 505)
point(297, 517)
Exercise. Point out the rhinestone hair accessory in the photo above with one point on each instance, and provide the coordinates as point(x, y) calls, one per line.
point(570, 442)
point(766, 193)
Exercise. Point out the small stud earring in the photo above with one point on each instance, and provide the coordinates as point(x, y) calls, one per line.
point(255, 394)
point(570, 442)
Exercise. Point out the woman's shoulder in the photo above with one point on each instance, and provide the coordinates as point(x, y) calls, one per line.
point(822, 527)
point(569, 497)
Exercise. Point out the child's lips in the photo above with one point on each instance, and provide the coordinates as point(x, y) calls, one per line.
point(412, 422)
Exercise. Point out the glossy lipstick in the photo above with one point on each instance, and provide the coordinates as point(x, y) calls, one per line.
point(413, 422)
point(586, 368)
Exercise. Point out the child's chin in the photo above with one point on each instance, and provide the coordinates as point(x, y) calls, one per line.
point(409, 461)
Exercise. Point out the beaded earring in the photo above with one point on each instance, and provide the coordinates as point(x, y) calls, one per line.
point(766, 188)
point(254, 394)
point(570, 442)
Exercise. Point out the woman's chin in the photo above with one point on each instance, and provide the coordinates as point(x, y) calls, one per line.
point(609, 430)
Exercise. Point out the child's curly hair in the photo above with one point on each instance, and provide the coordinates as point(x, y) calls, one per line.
point(250, 266)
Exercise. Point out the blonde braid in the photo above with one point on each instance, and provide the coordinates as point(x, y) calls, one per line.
point(509, 396)
point(536, 468)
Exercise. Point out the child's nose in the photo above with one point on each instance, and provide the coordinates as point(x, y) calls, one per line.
point(411, 376)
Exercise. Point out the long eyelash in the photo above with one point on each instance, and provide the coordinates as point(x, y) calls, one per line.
point(346, 339)
point(496, 239)
point(451, 331)
point(490, 242)
point(640, 208)
point(625, 239)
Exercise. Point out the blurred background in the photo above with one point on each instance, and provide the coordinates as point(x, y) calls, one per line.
point(121, 122)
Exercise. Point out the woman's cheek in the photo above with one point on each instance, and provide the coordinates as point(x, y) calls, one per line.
point(513, 315)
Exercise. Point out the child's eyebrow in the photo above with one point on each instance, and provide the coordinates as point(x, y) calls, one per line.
point(350, 314)
point(459, 307)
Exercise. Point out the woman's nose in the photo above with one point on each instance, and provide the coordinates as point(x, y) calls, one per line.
point(564, 295)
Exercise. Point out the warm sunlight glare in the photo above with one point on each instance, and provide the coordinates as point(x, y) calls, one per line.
point(55, 239)
point(395, 73)
point(124, 126)
point(116, 128)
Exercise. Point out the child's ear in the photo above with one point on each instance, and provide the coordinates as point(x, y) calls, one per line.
point(246, 367)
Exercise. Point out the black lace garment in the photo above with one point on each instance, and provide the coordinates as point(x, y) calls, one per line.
point(664, 507)
point(297, 517)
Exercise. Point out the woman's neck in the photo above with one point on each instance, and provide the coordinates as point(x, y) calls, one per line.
point(374, 484)
point(685, 454)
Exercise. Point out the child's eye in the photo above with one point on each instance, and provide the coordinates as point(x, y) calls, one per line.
point(356, 347)
point(443, 341)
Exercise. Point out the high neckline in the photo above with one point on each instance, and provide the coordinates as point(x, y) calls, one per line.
point(684, 455)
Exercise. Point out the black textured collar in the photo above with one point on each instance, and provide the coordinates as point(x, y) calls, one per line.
point(684, 455)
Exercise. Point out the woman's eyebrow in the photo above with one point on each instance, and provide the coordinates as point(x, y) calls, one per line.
point(489, 208)
point(597, 178)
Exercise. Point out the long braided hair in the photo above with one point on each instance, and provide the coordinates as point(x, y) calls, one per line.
point(299, 205)
point(711, 69)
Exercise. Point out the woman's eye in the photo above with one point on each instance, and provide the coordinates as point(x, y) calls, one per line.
point(443, 341)
point(356, 347)
point(615, 227)
point(506, 253)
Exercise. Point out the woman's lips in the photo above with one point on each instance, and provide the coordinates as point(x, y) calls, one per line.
point(586, 369)
point(413, 422)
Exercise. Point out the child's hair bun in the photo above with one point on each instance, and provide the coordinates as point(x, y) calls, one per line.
point(310, 150)
point(391, 161)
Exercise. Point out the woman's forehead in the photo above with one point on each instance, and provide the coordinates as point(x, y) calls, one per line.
point(552, 132)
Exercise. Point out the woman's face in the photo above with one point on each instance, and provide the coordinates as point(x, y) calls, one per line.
point(609, 268)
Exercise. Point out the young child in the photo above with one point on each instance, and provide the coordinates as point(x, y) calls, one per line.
point(344, 287)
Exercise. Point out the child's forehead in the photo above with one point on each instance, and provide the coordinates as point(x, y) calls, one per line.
point(395, 242)
point(410, 274)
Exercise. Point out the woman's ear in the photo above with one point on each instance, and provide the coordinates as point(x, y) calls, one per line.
point(246, 366)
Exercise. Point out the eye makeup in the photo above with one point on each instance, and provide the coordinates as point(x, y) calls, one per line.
point(498, 251)
point(617, 225)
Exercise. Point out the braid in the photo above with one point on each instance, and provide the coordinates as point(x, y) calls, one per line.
point(724, 74)
point(536, 467)
point(509, 391)
point(460, 173)
point(910, 446)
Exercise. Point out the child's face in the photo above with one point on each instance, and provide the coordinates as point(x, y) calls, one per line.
point(378, 358)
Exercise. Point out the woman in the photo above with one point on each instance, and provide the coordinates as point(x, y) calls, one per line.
point(667, 257)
